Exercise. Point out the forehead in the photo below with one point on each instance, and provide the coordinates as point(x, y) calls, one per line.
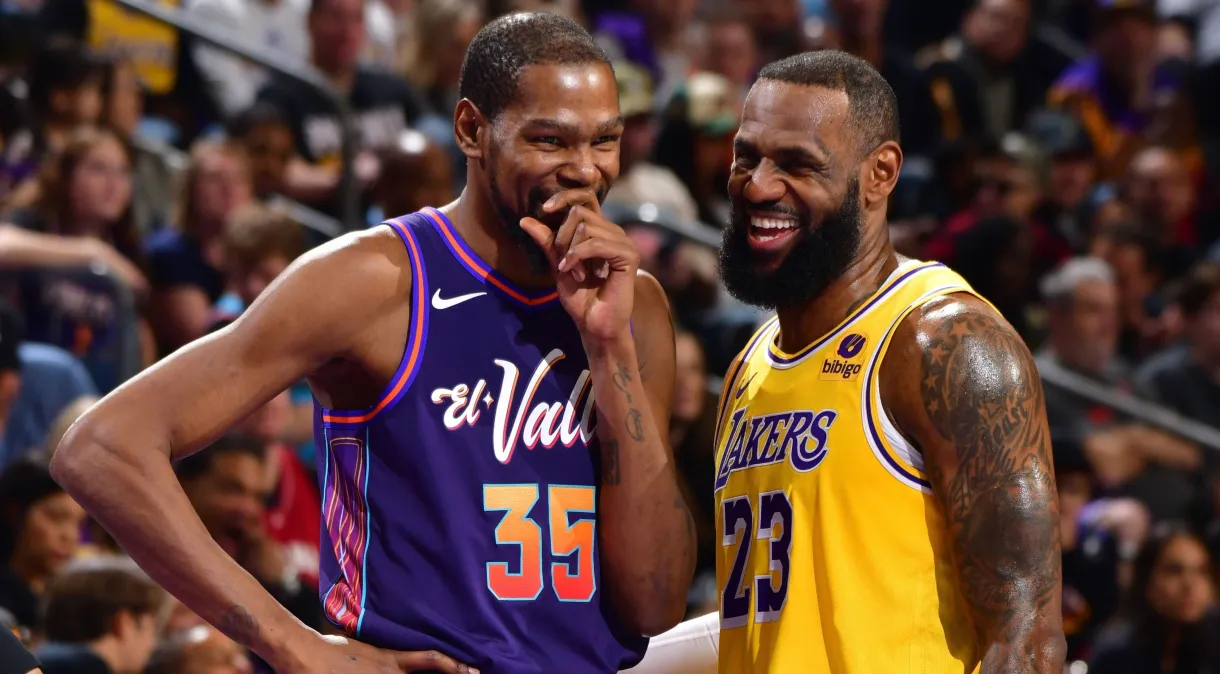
point(574, 94)
point(778, 114)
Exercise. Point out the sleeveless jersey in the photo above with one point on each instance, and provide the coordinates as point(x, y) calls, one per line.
point(834, 554)
point(460, 513)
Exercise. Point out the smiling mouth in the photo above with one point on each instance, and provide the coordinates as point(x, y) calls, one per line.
point(770, 232)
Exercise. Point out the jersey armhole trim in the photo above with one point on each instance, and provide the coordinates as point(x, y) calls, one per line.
point(896, 455)
point(413, 354)
point(727, 392)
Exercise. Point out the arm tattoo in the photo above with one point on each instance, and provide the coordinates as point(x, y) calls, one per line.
point(610, 472)
point(621, 378)
point(635, 425)
point(983, 396)
point(238, 625)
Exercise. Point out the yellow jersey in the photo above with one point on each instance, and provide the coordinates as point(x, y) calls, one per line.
point(834, 554)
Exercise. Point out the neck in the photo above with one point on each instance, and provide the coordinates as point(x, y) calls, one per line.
point(803, 325)
point(480, 226)
point(111, 652)
point(341, 78)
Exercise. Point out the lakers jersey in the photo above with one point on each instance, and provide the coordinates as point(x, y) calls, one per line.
point(834, 554)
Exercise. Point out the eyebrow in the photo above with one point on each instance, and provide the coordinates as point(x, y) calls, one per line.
point(603, 128)
point(788, 152)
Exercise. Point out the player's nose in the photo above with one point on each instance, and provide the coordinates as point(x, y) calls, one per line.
point(579, 170)
point(764, 184)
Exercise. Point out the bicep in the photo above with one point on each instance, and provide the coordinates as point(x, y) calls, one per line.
point(200, 391)
point(975, 407)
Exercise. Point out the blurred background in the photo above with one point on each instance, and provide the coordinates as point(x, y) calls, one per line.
point(161, 162)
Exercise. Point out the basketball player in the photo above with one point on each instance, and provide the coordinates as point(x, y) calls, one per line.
point(883, 490)
point(462, 359)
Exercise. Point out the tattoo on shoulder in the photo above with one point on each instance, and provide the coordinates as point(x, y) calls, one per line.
point(239, 625)
point(983, 395)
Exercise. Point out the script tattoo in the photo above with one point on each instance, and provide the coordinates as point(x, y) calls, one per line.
point(983, 395)
point(610, 472)
point(238, 625)
point(621, 379)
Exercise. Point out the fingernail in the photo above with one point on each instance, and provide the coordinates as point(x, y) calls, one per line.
point(549, 203)
point(563, 265)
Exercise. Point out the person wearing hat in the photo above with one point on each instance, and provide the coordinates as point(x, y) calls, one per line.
point(1071, 176)
point(1112, 90)
point(640, 180)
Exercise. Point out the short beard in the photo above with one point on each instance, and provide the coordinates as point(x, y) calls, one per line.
point(535, 257)
point(819, 256)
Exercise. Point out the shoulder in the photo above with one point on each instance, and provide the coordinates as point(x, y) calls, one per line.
point(1166, 364)
point(951, 358)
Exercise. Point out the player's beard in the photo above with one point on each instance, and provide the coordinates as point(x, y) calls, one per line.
point(535, 257)
point(819, 256)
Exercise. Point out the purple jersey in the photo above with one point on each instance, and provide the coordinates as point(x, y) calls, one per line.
point(459, 513)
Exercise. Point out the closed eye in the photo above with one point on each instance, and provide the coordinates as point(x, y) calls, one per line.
point(546, 140)
point(604, 140)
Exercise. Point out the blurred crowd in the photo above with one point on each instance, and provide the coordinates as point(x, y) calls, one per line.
point(1063, 155)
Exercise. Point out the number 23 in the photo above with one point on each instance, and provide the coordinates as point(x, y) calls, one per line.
point(774, 509)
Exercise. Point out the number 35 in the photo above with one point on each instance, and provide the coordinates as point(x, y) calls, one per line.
point(571, 581)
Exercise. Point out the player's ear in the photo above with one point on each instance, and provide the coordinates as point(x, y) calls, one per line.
point(469, 128)
point(881, 173)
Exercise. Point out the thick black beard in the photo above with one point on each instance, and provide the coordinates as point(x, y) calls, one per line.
point(819, 256)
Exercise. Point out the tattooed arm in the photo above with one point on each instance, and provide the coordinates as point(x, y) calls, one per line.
point(962, 386)
point(646, 532)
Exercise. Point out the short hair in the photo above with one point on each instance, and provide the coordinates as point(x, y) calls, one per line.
point(255, 233)
point(1136, 234)
point(1060, 285)
point(23, 483)
point(62, 65)
point(1199, 286)
point(200, 462)
point(510, 44)
point(84, 597)
point(260, 114)
point(873, 106)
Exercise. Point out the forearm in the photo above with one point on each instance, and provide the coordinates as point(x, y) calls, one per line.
point(136, 497)
point(19, 248)
point(646, 531)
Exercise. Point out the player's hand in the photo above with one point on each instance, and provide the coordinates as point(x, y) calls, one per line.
point(340, 655)
point(595, 264)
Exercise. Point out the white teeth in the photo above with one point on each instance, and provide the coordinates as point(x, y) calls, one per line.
point(767, 223)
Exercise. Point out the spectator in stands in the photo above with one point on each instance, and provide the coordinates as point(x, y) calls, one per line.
point(652, 35)
point(65, 91)
point(640, 180)
point(1083, 303)
point(227, 486)
point(690, 431)
point(102, 617)
point(275, 26)
point(729, 50)
point(696, 142)
point(415, 173)
point(51, 381)
point(267, 140)
point(199, 650)
point(1137, 257)
point(995, 256)
point(1070, 178)
point(40, 529)
point(84, 193)
point(152, 178)
point(987, 79)
point(776, 25)
point(1160, 190)
point(433, 61)
point(1111, 91)
point(259, 244)
point(385, 106)
point(859, 31)
point(1168, 621)
point(1186, 378)
point(294, 507)
point(186, 262)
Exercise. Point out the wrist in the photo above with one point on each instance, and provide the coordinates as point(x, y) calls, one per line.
point(286, 644)
point(617, 346)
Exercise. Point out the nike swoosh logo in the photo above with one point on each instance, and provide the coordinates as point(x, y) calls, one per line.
point(744, 386)
point(439, 302)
